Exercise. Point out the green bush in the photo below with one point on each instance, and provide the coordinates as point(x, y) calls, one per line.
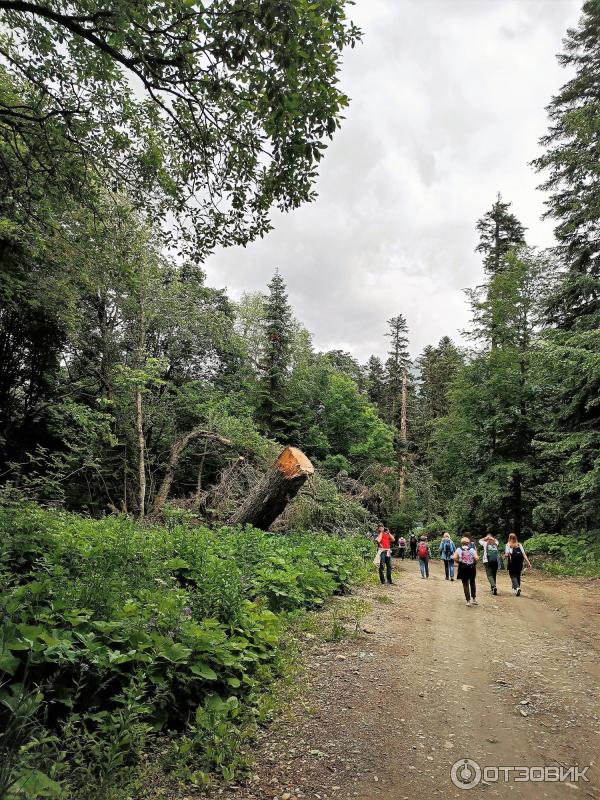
point(114, 635)
point(560, 554)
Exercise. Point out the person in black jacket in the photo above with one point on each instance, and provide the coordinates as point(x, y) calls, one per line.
point(413, 546)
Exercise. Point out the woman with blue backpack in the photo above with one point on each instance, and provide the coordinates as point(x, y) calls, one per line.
point(447, 548)
point(466, 558)
point(491, 559)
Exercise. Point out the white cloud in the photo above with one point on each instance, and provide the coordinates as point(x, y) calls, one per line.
point(448, 101)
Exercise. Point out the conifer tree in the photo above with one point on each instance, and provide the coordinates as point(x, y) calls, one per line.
point(397, 390)
point(499, 233)
point(570, 440)
point(272, 410)
point(375, 383)
point(397, 362)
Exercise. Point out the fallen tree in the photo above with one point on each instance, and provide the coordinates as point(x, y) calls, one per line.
point(177, 449)
point(272, 494)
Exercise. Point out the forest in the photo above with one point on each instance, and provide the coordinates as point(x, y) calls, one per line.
point(139, 405)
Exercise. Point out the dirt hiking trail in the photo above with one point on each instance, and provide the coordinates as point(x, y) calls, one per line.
point(428, 681)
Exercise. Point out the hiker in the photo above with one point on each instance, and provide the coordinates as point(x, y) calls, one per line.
point(413, 546)
point(516, 556)
point(447, 548)
point(401, 547)
point(384, 553)
point(467, 558)
point(424, 553)
point(491, 559)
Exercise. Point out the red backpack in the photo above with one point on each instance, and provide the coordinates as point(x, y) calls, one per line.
point(422, 550)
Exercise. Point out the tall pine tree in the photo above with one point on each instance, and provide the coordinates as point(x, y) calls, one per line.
point(375, 383)
point(571, 441)
point(272, 407)
point(397, 362)
point(499, 233)
point(397, 385)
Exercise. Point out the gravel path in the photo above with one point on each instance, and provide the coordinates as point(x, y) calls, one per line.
point(428, 681)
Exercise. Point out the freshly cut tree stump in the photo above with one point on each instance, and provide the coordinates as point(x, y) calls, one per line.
point(280, 485)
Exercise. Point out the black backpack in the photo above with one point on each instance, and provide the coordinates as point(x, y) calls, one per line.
point(516, 558)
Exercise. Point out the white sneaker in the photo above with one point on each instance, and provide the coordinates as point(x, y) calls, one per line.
point(468, 603)
point(474, 602)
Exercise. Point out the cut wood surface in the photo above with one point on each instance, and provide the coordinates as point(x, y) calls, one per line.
point(272, 494)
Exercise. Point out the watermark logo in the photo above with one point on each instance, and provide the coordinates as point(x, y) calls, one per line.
point(466, 774)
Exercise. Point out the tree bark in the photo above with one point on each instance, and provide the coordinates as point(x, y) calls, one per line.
point(139, 427)
point(139, 411)
point(177, 449)
point(280, 485)
point(403, 436)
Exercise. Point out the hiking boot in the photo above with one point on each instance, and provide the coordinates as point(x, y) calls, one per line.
point(447, 578)
point(518, 591)
point(495, 590)
point(451, 579)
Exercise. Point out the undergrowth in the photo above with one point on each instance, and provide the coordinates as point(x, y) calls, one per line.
point(566, 555)
point(123, 645)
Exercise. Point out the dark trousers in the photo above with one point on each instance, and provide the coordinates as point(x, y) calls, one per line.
point(401, 552)
point(467, 576)
point(413, 551)
point(491, 569)
point(385, 563)
point(515, 577)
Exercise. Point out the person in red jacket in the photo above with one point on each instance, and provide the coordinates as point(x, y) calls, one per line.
point(384, 551)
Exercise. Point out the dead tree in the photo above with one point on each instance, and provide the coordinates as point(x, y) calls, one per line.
point(177, 449)
point(272, 494)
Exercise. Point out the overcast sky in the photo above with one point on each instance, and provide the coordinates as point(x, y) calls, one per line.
point(447, 105)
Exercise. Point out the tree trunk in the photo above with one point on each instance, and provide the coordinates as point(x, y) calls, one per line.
point(280, 485)
point(139, 415)
point(177, 449)
point(198, 492)
point(403, 436)
point(517, 504)
point(139, 427)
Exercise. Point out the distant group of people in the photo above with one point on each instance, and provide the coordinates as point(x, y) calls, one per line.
point(465, 557)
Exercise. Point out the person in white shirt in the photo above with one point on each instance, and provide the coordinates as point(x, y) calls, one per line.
point(491, 559)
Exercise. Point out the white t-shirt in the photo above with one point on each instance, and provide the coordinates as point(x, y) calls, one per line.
point(484, 544)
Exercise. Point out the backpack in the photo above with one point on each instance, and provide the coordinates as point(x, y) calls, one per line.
point(402, 542)
point(492, 553)
point(516, 558)
point(422, 550)
point(466, 557)
point(447, 547)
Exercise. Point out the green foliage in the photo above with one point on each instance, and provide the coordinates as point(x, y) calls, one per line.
point(352, 426)
point(322, 507)
point(407, 516)
point(567, 555)
point(113, 635)
point(207, 116)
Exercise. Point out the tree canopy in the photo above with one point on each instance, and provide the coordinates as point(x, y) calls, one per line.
point(206, 113)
